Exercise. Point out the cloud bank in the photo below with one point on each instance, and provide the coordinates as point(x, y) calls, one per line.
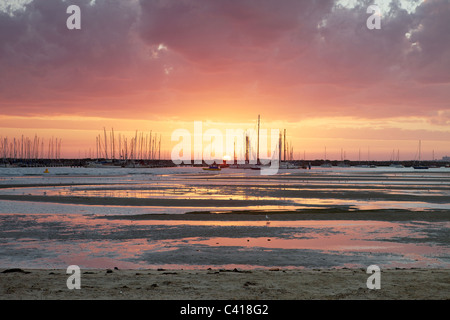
point(189, 58)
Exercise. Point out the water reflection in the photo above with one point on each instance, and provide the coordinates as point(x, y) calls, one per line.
point(70, 233)
point(34, 241)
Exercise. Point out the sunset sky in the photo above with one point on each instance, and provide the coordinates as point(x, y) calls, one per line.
point(310, 67)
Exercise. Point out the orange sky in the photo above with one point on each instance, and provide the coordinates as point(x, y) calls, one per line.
point(311, 68)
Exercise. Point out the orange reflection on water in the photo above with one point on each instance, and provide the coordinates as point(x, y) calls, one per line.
point(334, 243)
point(94, 241)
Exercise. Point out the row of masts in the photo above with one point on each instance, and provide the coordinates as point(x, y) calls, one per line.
point(143, 146)
point(395, 157)
point(25, 148)
point(285, 148)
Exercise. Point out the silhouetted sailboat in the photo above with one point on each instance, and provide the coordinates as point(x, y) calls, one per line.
point(396, 161)
point(420, 166)
point(326, 164)
point(343, 163)
point(212, 168)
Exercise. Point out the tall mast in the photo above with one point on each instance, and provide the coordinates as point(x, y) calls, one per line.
point(113, 145)
point(419, 148)
point(135, 146)
point(234, 151)
point(152, 151)
point(159, 148)
point(247, 159)
point(257, 148)
point(106, 144)
point(280, 138)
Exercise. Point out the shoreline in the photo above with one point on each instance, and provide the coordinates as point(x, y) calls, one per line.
point(290, 197)
point(225, 212)
point(220, 284)
point(116, 201)
point(285, 215)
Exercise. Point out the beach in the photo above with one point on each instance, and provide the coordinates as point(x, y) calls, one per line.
point(180, 234)
point(227, 284)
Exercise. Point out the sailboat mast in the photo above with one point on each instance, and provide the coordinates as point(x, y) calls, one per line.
point(234, 152)
point(280, 138)
point(419, 148)
point(113, 145)
point(257, 147)
point(106, 144)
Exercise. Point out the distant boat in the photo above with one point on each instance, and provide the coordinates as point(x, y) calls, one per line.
point(262, 166)
point(420, 167)
point(326, 164)
point(343, 164)
point(241, 166)
point(288, 165)
point(359, 165)
point(212, 168)
point(396, 162)
point(247, 163)
point(98, 164)
point(94, 164)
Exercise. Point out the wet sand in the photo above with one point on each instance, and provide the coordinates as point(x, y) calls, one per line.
point(303, 282)
point(113, 201)
point(329, 213)
point(303, 214)
point(220, 284)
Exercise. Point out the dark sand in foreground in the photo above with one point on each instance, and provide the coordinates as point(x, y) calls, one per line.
point(277, 284)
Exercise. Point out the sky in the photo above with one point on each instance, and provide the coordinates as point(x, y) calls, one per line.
point(313, 68)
